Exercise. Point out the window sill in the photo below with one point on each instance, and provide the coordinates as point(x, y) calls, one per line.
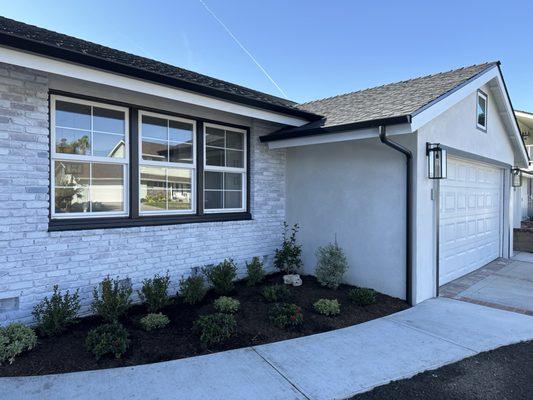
point(79, 224)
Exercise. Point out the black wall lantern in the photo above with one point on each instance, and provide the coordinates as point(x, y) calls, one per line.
point(437, 161)
point(516, 177)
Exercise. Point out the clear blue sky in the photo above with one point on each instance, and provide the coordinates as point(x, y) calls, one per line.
point(313, 49)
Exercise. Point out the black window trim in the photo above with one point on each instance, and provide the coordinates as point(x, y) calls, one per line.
point(134, 219)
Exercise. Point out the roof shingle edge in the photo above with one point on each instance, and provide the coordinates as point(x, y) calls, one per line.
point(48, 50)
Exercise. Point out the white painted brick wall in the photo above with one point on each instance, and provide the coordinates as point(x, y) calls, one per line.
point(32, 259)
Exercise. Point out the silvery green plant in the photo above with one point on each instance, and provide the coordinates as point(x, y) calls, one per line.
point(331, 265)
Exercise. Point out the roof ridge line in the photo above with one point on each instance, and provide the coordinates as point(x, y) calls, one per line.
point(397, 83)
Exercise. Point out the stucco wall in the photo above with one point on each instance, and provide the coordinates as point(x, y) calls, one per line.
point(32, 259)
point(456, 129)
point(353, 190)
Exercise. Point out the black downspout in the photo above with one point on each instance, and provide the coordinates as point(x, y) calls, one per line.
point(408, 211)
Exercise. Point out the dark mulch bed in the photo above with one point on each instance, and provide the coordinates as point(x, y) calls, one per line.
point(502, 374)
point(67, 353)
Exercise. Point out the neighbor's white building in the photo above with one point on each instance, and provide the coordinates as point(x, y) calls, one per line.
point(115, 164)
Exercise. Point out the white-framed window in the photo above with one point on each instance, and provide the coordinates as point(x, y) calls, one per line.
point(167, 164)
point(224, 169)
point(482, 105)
point(89, 158)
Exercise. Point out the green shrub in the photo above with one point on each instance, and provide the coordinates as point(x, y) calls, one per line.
point(327, 307)
point(227, 305)
point(154, 292)
point(362, 296)
point(55, 314)
point(221, 276)
point(107, 339)
point(256, 273)
point(331, 265)
point(192, 289)
point(112, 300)
point(289, 258)
point(153, 321)
point(15, 338)
point(285, 315)
point(276, 293)
point(215, 328)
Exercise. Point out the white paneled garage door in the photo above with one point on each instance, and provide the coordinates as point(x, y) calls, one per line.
point(470, 218)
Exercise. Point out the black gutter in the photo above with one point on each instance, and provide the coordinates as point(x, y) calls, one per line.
point(50, 51)
point(408, 210)
point(302, 131)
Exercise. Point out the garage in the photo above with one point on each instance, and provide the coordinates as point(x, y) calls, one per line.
point(470, 218)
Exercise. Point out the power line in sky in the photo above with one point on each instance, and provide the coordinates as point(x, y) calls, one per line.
point(243, 48)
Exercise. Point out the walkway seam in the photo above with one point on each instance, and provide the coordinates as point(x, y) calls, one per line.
point(432, 334)
point(280, 374)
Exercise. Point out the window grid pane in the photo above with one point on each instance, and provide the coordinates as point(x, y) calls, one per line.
point(166, 140)
point(223, 190)
point(81, 184)
point(88, 187)
point(75, 134)
point(224, 148)
point(165, 188)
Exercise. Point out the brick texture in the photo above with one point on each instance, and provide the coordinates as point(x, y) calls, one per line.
point(32, 259)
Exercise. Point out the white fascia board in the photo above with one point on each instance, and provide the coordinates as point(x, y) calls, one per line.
point(50, 65)
point(509, 118)
point(323, 138)
point(449, 101)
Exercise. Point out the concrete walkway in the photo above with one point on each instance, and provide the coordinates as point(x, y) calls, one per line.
point(331, 365)
point(505, 284)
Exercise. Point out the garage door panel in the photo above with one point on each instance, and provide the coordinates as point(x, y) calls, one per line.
point(470, 218)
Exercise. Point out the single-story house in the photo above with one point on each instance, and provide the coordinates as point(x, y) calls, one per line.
point(111, 163)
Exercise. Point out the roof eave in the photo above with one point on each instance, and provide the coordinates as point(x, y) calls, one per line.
point(43, 49)
point(294, 133)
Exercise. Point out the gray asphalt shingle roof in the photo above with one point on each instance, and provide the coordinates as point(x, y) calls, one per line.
point(394, 100)
point(32, 38)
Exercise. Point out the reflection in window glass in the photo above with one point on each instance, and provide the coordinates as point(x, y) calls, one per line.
point(108, 145)
point(214, 137)
point(179, 189)
point(180, 132)
point(180, 152)
point(165, 189)
point(81, 185)
point(73, 141)
point(153, 189)
point(72, 115)
point(111, 121)
point(154, 150)
point(166, 140)
point(84, 187)
point(481, 110)
point(107, 189)
point(87, 130)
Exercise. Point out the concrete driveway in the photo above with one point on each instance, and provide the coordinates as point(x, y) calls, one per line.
point(504, 284)
point(331, 365)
